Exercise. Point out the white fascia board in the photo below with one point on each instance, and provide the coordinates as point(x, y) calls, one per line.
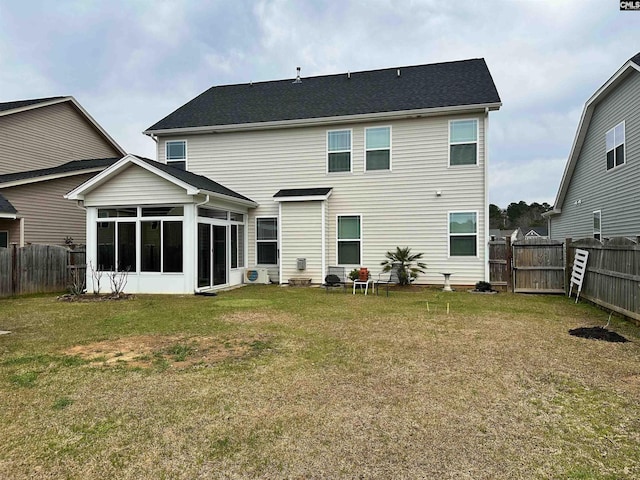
point(10, 216)
point(583, 126)
point(550, 213)
point(308, 198)
point(228, 198)
point(44, 178)
point(306, 122)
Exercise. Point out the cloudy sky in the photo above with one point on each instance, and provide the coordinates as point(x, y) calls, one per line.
point(130, 63)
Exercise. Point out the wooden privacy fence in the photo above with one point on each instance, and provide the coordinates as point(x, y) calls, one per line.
point(612, 278)
point(533, 265)
point(33, 269)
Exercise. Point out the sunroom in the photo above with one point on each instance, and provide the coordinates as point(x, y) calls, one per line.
point(166, 229)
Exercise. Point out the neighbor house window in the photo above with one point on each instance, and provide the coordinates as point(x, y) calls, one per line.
point(463, 142)
point(615, 146)
point(267, 241)
point(349, 239)
point(177, 154)
point(339, 151)
point(463, 234)
point(597, 224)
point(4, 239)
point(378, 148)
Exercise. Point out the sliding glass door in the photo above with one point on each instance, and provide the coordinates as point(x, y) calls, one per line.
point(212, 255)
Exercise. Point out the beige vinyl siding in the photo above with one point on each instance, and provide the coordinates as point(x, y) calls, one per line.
point(49, 136)
point(398, 207)
point(301, 233)
point(48, 217)
point(136, 186)
point(592, 187)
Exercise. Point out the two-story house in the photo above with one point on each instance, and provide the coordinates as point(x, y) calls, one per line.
point(333, 169)
point(50, 146)
point(599, 188)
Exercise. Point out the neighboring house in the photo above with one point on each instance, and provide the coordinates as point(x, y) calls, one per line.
point(497, 234)
point(50, 146)
point(335, 170)
point(535, 232)
point(598, 193)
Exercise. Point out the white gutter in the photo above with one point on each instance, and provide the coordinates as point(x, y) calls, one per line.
point(305, 122)
point(486, 195)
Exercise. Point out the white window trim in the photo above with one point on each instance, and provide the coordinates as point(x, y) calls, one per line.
point(7, 232)
point(350, 130)
point(186, 153)
point(615, 145)
point(359, 215)
point(449, 143)
point(598, 232)
point(377, 149)
point(277, 240)
point(449, 234)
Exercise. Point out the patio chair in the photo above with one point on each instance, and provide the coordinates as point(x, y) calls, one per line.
point(336, 277)
point(392, 277)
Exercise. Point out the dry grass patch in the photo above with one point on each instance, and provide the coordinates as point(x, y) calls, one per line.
point(146, 351)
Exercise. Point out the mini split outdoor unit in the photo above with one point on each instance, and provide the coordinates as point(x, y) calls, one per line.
point(256, 275)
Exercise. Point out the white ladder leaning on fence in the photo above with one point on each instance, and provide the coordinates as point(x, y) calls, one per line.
point(579, 269)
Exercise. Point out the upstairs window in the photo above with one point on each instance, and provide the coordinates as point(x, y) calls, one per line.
point(339, 151)
point(463, 142)
point(378, 148)
point(597, 224)
point(615, 146)
point(463, 234)
point(177, 154)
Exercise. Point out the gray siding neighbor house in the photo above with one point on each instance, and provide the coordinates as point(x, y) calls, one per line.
point(50, 146)
point(600, 188)
point(332, 170)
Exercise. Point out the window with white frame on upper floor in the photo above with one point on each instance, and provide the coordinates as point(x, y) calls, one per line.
point(176, 154)
point(378, 148)
point(615, 146)
point(463, 142)
point(349, 239)
point(463, 234)
point(339, 151)
point(597, 224)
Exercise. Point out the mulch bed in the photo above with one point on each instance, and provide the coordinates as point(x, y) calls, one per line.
point(597, 333)
point(86, 297)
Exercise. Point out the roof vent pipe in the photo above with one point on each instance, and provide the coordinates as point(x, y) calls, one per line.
point(298, 79)
point(348, 74)
point(398, 72)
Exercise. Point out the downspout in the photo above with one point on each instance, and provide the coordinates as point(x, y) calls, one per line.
point(486, 195)
point(323, 259)
point(279, 248)
point(21, 231)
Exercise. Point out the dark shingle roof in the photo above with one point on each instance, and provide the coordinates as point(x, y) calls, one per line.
point(197, 181)
point(302, 192)
point(466, 82)
point(6, 207)
point(636, 59)
point(25, 103)
point(74, 166)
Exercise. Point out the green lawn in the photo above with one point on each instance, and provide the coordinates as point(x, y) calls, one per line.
point(269, 382)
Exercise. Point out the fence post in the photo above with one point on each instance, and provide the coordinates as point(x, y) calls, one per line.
point(509, 264)
point(568, 267)
point(14, 268)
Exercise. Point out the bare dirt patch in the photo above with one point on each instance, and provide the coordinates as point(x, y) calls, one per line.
point(177, 351)
point(598, 333)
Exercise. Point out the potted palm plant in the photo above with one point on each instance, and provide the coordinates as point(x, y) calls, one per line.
point(408, 265)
